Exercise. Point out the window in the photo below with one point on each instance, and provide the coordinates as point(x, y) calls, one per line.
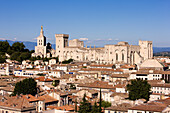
point(122, 57)
point(116, 57)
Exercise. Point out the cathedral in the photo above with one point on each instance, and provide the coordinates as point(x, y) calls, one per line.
point(66, 49)
point(42, 49)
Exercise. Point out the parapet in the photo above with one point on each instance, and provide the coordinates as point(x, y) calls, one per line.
point(122, 43)
point(61, 35)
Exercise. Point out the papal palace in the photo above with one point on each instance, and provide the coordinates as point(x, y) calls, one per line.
point(66, 49)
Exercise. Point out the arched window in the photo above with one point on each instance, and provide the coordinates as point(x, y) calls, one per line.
point(116, 57)
point(122, 57)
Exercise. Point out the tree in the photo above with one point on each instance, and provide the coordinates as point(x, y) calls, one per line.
point(75, 105)
point(25, 56)
point(10, 51)
point(2, 60)
point(95, 108)
point(85, 106)
point(67, 61)
point(15, 55)
point(72, 86)
point(27, 86)
point(55, 83)
point(100, 102)
point(105, 104)
point(4, 45)
point(139, 89)
point(17, 46)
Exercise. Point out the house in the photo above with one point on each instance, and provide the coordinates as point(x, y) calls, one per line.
point(38, 62)
point(121, 77)
point(159, 106)
point(56, 73)
point(120, 108)
point(43, 81)
point(52, 61)
point(16, 104)
point(45, 101)
point(153, 64)
point(147, 74)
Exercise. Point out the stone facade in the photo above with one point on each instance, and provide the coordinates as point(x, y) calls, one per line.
point(74, 49)
point(119, 53)
point(42, 49)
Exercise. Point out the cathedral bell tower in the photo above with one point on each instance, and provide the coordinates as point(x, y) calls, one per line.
point(41, 40)
point(41, 48)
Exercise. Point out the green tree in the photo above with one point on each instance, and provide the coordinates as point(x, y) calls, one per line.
point(105, 104)
point(27, 86)
point(17, 46)
point(25, 55)
point(139, 89)
point(32, 51)
point(2, 60)
point(95, 108)
point(15, 55)
point(67, 61)
point(72, 86)
point(55, 83)
point(85, 106)
point(10, 51)
point(75, 106)
point(4, 45)
point(100, 102)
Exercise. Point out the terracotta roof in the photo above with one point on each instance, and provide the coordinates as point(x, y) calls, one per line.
point(30, 98)
point(125, 95)
point(101, 69)
point(109, 65)
point(65, 108)
point(148, 71)
point(127, 66)
point(165, 72)
point(121, 107)
point(97, 84)
point(17, 103)
point(47, 98)
point(120, 75)
point(154, 108)
point(43, 79)
point(161, 85)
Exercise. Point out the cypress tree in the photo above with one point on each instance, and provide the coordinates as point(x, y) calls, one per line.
point(100, 103)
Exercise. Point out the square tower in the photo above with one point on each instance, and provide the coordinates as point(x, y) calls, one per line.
point(61, 43)
point(146, 50)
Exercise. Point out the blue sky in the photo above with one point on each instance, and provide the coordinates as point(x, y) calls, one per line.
point(98, 22)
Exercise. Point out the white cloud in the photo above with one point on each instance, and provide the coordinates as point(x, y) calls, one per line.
point(116, 39)
point(2, 39)
point(109, 39)
point(15, 39)
point(83, 39)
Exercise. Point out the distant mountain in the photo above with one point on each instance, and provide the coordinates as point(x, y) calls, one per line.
point(161, 49)
point(31, 46)
point(162, 54)
point(28, 45)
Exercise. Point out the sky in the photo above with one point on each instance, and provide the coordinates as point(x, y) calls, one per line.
point(97, 22)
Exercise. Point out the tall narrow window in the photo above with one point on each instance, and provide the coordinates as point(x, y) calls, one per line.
point(116, 57)
point(122, 57)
